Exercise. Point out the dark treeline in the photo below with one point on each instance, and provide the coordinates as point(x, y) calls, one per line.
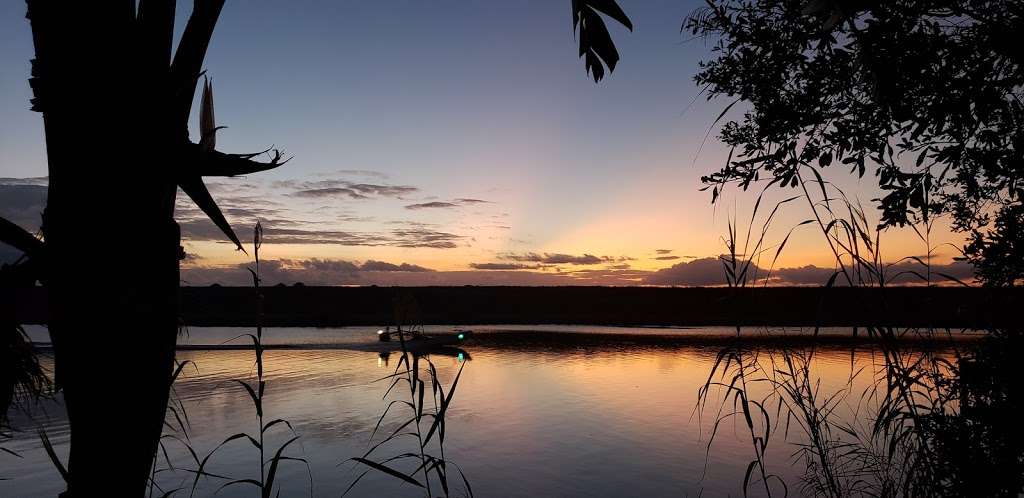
point(954, 307)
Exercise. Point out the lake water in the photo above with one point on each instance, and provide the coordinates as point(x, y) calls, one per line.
point(538, 411)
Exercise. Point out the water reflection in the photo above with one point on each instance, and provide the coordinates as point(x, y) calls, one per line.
point(535, 415)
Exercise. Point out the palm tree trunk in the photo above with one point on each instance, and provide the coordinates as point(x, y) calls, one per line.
point(115, 109)
point(112, 246)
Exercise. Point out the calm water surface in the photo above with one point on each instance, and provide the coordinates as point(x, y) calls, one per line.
point(568, 411)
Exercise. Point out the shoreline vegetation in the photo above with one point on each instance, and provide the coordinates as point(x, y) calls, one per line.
point(308, 306)
point(673, 338)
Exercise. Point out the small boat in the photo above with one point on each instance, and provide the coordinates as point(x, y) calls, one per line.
point(417, 339)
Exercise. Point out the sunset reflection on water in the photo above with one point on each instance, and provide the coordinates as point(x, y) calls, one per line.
point(534, 414)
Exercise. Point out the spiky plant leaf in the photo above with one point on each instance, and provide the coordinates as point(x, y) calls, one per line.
point(205, 162)
point(197, 191)
point(18, 238)
point(50, 452)
point(207, 121)
point(188, 59)
point(388, 470)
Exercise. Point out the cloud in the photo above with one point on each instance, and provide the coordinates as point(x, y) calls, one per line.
point(699, 272)
point(285, 232)
point(663, 251)
point(313, 271)
point(503, 266)
point(331, 192)
point(666, 258)
point(341, 272)
point(447, 204)
point(901, 273)
point(559, 258)
point(371, 265)
point(422, 237)
point(432, 205)
point(344, 188)
point(711, 272)
point(607, 276)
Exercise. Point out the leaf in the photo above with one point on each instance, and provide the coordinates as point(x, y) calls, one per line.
point(254, 482)
point(188, 59)
point(241, 435)
point(197, 191)
point(386, 410)
point(274, 422)
point(594, 34)
point(203, 162)
point(19, 238)
point(444, 407)
point(611, 9)
point(708, 134)
point(469, 489)
point(825, 160)
point(272, 472)
point(256, 398)
point(11, 452)
point(53, 455)
point(207, 122)
point(952, 278)
point(387, 470)
point(170, 493)
point(595, 43)
point(747, 474)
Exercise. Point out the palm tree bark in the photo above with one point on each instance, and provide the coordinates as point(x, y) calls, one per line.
point(112, 245)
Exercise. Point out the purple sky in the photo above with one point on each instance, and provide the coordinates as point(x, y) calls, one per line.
point(462, 137)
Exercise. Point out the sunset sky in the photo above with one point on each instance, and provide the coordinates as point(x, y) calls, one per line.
point(451, 142)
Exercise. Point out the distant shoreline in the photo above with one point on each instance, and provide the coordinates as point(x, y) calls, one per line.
point(552, 340)
point(953, 307)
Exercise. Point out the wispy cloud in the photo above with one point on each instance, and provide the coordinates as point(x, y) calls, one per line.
point(284, 232)
point(330, 192)
point(503, 266)
point(446, 204)
point(562, 259)
point(372, 265)
point(422, 237)
point(351, 190)
point(432, 205)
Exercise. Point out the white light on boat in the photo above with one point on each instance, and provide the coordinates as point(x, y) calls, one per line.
point(380, 332)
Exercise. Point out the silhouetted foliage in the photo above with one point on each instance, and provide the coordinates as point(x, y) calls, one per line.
point(268, 468)
point(978, 451)
point(22, 378)
point(596, 46)
point(925, 93)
